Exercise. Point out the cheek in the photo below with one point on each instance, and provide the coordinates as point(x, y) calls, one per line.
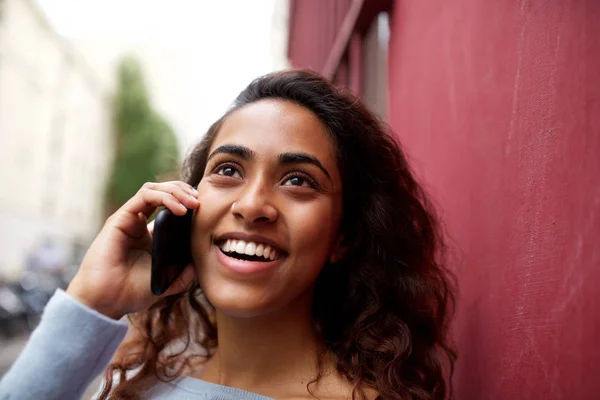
point(209, 195)
point(316, 229)
point(213, 205)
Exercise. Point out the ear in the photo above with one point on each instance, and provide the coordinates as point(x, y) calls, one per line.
point(338, 250)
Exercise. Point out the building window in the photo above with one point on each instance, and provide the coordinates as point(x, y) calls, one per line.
point(2, 7)
point(23, 158)
point(49, 207)
point(358, 58)
point(56, 134)
point(375, 65)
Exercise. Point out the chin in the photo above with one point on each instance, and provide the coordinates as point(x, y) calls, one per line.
point(251, 293)
point(242, 300)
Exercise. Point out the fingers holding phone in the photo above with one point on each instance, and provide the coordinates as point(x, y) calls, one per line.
point(114, 277)
point(176, 196)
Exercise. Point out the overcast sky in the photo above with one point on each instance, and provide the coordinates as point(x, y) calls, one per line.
point(198, 54)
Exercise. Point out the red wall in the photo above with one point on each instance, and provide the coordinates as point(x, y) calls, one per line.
point(498, 103)
point(314, 25)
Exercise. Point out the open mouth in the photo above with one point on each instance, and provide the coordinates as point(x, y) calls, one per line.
point(249, 251)
point(245, 257)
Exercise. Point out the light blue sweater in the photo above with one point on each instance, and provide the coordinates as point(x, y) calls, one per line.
point(72, 345)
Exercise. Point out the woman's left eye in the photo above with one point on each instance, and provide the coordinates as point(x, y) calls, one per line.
point(298, 181)
point(228, 170)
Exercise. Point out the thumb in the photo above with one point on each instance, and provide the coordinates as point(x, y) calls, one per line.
point(182, 282)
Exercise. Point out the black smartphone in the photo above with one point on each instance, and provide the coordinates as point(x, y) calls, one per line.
point(171, 248)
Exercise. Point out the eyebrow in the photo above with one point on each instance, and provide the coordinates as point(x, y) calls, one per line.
point(302, 158)
point(284, 158)
point(240, 151)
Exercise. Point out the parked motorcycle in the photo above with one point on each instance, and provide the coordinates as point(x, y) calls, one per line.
point(22, 302)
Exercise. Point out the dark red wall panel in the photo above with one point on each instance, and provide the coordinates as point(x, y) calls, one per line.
point(498, 104)
point(314, 25)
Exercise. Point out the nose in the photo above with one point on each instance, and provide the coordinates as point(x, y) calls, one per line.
point(254, 205)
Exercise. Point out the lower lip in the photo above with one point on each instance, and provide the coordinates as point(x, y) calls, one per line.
point(244, 267)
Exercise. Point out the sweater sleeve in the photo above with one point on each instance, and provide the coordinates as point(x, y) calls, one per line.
point(69, 348)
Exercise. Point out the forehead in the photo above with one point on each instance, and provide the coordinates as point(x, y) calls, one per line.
point(270, 127)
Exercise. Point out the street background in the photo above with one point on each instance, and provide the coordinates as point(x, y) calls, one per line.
point(67, 68)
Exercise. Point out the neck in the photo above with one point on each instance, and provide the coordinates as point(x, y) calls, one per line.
point(263, 353)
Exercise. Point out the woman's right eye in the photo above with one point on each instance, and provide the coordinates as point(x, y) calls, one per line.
point(228, 170)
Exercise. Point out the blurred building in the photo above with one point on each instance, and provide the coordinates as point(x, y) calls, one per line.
point(497, 105)
point(279, 35)
point(55, 139)
point(196, 58)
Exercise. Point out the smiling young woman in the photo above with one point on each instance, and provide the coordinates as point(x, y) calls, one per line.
point(318, 262)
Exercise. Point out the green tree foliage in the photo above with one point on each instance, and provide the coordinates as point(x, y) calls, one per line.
point(146, 146)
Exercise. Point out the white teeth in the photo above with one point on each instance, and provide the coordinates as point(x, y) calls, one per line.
point(250, 249)
point(241, 247)
point(260, 250)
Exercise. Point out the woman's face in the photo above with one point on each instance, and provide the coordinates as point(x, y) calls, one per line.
point(270, 208)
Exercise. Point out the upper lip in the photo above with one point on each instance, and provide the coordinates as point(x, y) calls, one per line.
point(250, 238)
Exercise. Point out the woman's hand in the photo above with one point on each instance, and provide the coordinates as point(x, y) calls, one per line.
point(114, 277)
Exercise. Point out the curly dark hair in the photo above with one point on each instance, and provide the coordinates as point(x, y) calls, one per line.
point(383, 311)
